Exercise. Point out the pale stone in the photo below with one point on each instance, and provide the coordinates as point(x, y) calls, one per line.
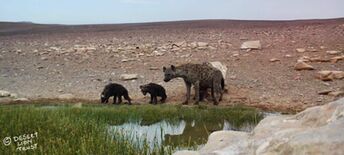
point(251, 45)
point(274, 60)
point(333, 52)
point(125, 77)
point(23, 99)
point(4, 93)
point(202, 44)
point(303, 66)
point(66, 96)
point(301, 50)
point(330, 75)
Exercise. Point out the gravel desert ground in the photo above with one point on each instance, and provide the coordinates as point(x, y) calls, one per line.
point(52, 61)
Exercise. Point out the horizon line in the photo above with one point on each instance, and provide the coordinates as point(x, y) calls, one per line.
point(186, 20)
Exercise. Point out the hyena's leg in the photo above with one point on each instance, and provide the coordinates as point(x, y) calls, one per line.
point(188, 89)
point(213, 89)
point(114, 99)
point(163, 98)
point(151, 99)
point(119, 99)
point(196, 92)
point(155, 99)
point(126, 96)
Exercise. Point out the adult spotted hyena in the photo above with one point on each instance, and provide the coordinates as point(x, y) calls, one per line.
point(199, 75)
point(115, 90)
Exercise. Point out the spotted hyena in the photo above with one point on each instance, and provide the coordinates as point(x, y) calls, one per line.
point(154, 90)
point(203, 91)
point(199, 75)
point(115, 90)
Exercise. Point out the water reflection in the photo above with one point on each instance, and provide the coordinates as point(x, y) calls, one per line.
point(180, 134)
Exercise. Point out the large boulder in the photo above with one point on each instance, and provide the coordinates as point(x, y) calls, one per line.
point(218, 65)
point(316, 130)
point(4, 93)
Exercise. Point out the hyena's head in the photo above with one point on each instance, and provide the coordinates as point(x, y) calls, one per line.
point(169, 73)
point(103, 98)
point(144, 89)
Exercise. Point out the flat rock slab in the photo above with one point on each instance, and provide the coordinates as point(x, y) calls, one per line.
point(125, 77)
point(255, 44)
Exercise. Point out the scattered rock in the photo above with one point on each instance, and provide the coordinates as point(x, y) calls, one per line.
point(40, 67)
point(301, 50)
point(288, 56)
point(312, 49)
point(336, 93)
point(330, 75)
point(303, 66)
point(154, 68)
point(23, 99)
point(324, 92)
point(66, 96)
point(14, 95)
point(186, 55)
point(304, 59)
point(274, 60)
point(44, 58)
point(125, 77)
point(4, 93)
point(202, 44)
point(319, 59)
point(127, 60)
point(251, 45)
point(337, 58)
point(333, 52)
point(157, 53)
point(193, 45)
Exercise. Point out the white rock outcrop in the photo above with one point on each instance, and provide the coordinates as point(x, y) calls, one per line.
point(220, 66)
point(316, 130)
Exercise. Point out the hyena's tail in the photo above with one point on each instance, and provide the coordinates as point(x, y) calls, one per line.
point(223, 85)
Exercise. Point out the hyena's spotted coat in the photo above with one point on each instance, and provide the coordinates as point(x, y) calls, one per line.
point(199, 75)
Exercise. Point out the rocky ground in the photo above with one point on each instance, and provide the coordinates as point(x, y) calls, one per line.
point(290, 65)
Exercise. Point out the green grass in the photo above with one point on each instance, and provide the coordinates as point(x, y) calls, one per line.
point(70, 130)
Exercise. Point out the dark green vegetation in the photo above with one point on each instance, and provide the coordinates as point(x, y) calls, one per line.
point(66, 129)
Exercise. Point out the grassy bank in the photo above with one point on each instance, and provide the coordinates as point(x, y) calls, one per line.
point(72, 130)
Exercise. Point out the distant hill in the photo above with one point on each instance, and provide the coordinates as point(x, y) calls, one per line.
point(15, 28)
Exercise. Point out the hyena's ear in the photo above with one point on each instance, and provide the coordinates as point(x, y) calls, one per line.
point(141, 87)
point(173, 67)
point(163, 69)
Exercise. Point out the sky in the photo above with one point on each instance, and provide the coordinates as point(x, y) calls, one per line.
point(137, 11)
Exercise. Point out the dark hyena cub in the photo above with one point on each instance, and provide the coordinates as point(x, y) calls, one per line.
point(199, 75)
point(154, 90)
point(115, 90)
